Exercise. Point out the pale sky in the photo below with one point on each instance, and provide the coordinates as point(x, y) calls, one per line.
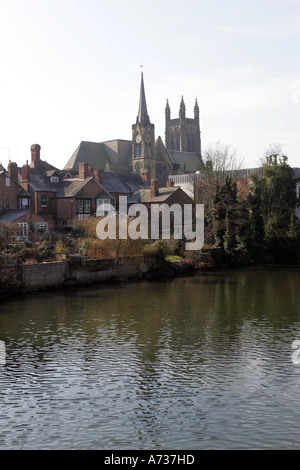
point(70, 71)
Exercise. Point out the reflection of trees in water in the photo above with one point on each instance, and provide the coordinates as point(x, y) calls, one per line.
point(155, 321)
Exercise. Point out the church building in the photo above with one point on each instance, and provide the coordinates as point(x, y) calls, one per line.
point(145, 154)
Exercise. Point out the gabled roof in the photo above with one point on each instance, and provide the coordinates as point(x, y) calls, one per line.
point(24, 193)
point(114, 155)
point(94, 154)
point(71, 187)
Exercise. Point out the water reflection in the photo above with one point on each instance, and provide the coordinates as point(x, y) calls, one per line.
point(192, 363)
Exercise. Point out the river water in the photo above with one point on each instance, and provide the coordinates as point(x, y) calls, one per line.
point(200, 362)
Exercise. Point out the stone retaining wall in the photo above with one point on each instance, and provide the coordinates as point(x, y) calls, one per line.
point(69, 273)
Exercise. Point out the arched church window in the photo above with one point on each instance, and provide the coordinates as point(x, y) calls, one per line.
point(138, 150)
point(172, 143)
point(177, 142)
point(138, 168)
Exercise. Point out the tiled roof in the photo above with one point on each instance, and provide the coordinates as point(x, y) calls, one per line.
point(144, 196)
point(113, 184)
point(114, 154)
point(38, 183)
point(188, 161)
point(71, 187)
point(95, 154)
point(11, 216)
point(133, 181)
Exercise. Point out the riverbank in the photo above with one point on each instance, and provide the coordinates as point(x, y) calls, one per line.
point(22, 278)
point(67, 273)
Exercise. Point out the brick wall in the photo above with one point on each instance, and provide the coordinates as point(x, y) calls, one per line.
point(67, 207)
point(9, 191)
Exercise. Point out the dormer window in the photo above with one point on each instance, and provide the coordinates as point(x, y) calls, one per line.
point(54, 179)
point(24, 203)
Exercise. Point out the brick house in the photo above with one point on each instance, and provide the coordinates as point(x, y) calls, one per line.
point(159, 196)
point(15, 205)
point(61, 197)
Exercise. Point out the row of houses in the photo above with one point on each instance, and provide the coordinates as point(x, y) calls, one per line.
point(38, 196)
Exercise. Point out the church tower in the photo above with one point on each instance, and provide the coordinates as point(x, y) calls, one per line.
point(143, 140)
point(183, 134)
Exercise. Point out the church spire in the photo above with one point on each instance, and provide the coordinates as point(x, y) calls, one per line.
point(143, 117)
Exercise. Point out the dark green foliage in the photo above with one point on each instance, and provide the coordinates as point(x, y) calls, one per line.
point(227, 220)
point(272, 201)
point(264, 227)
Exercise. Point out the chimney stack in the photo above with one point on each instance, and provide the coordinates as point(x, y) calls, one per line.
point(13, 171)
point(96, 174)
point(83, 169)
point(154, 188)
point(144, 176)
point(35, 152)
point(170, 184)
point(25, 172)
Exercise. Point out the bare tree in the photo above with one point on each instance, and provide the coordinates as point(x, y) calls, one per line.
point(274, 152)
point(222, 162)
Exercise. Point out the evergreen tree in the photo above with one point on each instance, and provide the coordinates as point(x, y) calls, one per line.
point(272, 202)
point(227, 220)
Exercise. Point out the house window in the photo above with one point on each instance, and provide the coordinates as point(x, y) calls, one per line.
point(42, 226)
point(104, 204)
point(54, 179)
point(7, 181)
point(44, 200)
point(84, 206)
point(24, 203)
point(80, 205)
point(23, 229)
point(87, 205)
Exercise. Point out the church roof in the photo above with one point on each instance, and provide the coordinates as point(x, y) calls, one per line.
point(189, 162)
point(112, 155)
point(93, 153)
